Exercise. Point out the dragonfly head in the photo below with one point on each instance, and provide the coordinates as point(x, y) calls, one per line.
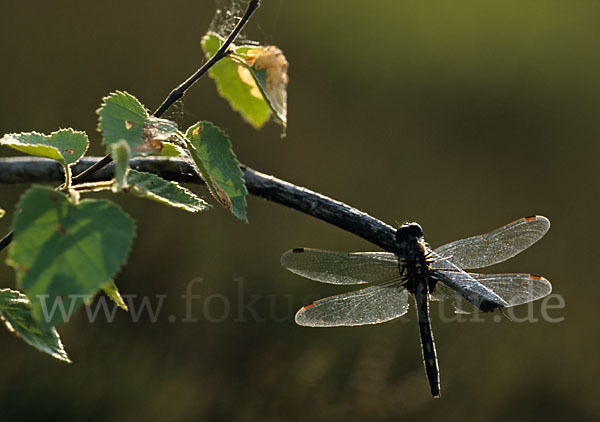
point(408, 231)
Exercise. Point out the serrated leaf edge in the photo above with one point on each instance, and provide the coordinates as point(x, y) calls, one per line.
point(9, 261)
point(162, 199)
point(48, 136)
point(213, 189)
point(61, 354)
point(113, 95)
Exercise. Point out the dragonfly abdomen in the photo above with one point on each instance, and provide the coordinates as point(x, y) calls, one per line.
point(414, 267)
point(427, 343)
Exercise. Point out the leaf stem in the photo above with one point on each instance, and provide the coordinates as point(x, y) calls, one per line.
point(68, 177)
point(94, 186)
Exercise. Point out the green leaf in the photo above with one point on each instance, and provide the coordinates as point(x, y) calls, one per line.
point(211, 150)
point(112, 292)
point(2, 212)
point(63, 253)
point(151, 186)
point(66, 146)
point(15, 312)
point(122, 116)
point(242, 97)
point(120, 154)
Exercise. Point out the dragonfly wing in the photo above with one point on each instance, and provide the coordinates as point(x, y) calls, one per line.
point(341, 267)
point(371, 305)
point(514, 289)
point(465, 285)
point(496, 246)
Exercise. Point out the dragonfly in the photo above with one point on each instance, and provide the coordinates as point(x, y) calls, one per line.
point(426, 274)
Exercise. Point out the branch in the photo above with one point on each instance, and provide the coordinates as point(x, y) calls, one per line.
point(32, 170)
point(177, 93)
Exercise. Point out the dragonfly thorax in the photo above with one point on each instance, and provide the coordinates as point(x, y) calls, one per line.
point(412, 255)
point(411, 245)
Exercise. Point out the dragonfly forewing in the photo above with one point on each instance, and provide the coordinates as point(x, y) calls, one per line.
point(496, 246)
point(371, 305)
point(340, 267)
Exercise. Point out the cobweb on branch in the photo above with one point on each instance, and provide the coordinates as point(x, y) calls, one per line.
point(227, 16)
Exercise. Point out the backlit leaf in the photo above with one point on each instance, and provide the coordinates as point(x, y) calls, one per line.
point(241, 95)
point(15, 312)
point(112, 292)
point(151, 186)
point(120, 153)
point(63, 253)
point(211, 150)
point(66, 146)
point(122, 116)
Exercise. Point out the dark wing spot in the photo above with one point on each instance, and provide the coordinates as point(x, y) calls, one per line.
point(298, 250)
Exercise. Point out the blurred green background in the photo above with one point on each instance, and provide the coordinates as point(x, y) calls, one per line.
point(462, 116)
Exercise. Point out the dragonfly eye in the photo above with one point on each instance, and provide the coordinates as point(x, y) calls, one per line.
point(408, 230)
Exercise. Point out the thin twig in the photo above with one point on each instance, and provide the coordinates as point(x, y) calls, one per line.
point(84, 176)
point(33, 169)
point(180, 91)
point(6, 240)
